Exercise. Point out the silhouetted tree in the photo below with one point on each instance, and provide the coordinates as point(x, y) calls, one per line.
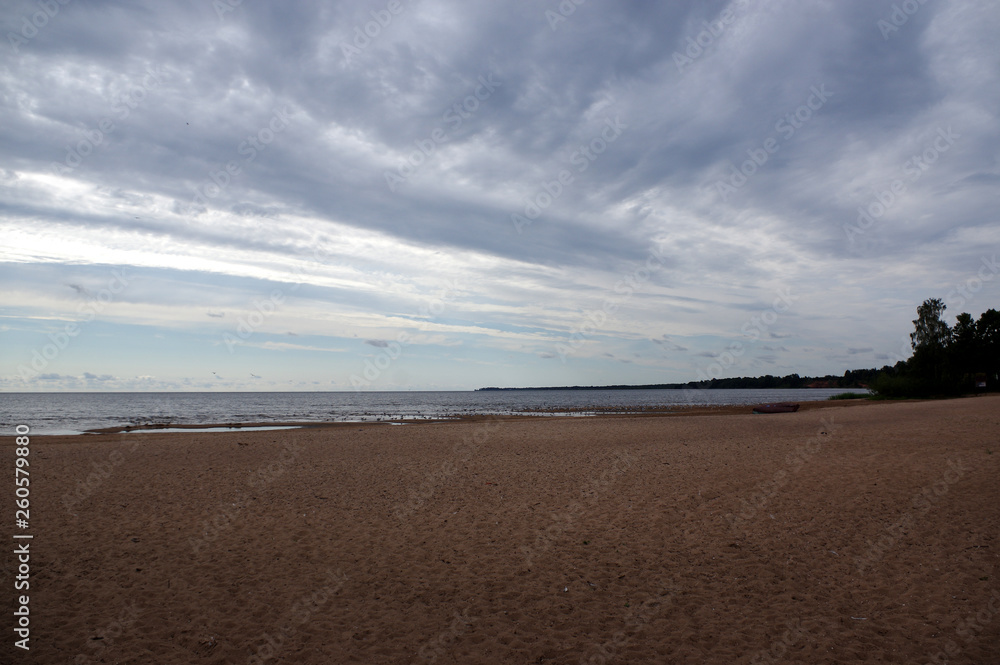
point(945, 360)
point(988, 352)
point(931, 332)
point(963, 351)
point(930, 339)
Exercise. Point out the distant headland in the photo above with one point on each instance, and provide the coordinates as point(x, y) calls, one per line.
point(856, 378)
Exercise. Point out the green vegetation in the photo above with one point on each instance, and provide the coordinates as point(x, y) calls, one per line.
point(946, 361)
point(849, 396)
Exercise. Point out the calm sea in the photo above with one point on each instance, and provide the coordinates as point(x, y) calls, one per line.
point(64, 413)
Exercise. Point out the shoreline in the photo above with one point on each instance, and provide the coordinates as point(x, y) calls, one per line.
point(666, 411)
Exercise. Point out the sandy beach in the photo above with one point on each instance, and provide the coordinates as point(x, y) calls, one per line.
point(860, 533)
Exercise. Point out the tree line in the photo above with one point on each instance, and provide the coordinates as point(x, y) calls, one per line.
point(946, 360)
point(854, 378)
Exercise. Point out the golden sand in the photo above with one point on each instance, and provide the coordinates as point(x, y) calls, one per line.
point(832, 535)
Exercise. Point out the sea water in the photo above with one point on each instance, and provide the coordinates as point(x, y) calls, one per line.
point(52, 413)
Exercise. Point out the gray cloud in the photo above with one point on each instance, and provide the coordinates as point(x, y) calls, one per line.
point(222, 158)
point(95, 377)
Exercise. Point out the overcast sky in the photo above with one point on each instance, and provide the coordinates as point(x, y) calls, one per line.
point(446, 195)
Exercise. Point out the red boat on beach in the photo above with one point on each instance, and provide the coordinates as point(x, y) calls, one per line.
point(779, 407)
